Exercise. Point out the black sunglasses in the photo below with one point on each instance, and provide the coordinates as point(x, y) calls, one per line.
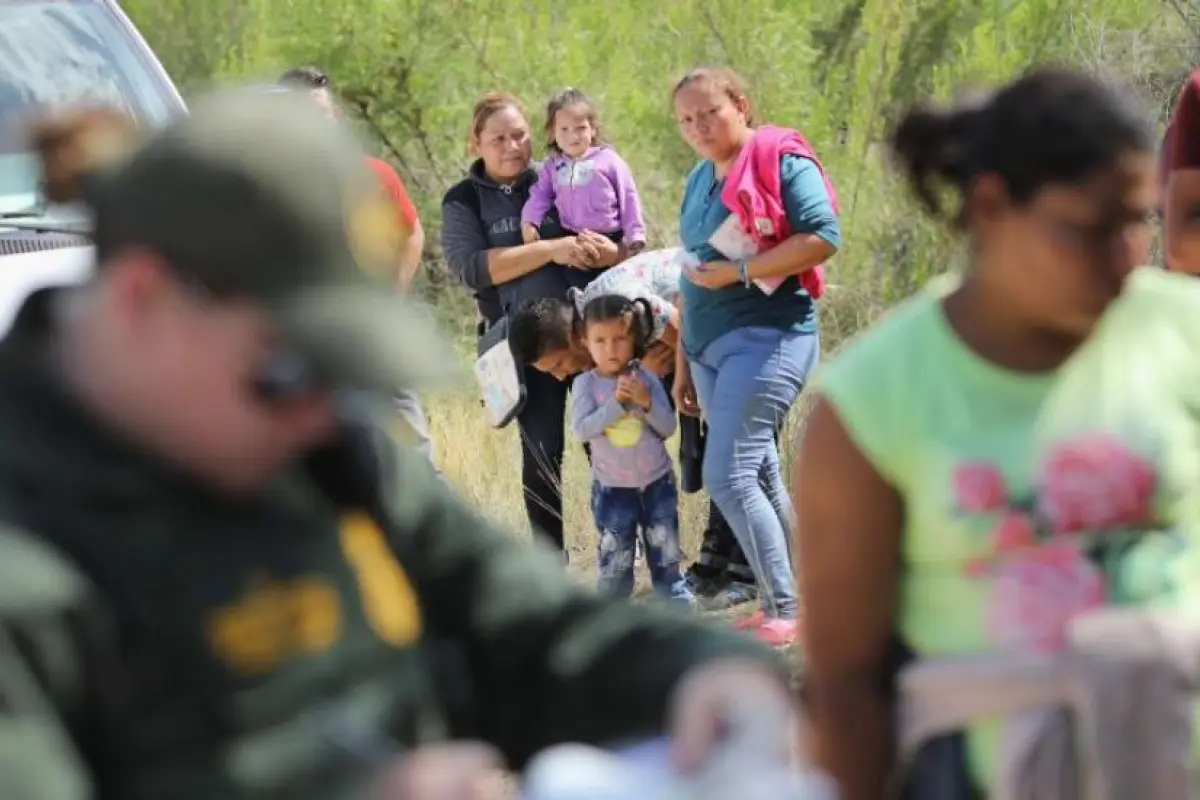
point(284, 376)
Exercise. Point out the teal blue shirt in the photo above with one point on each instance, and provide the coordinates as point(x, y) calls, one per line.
point(711, 313)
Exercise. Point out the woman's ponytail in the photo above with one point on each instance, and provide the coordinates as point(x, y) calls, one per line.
point(1052, 126)
point(74, 147)
point(936, 146)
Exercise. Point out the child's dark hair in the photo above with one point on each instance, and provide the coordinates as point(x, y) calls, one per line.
point(612, 307)
point(569, 98)
point(1053, 125)
point(539, 327)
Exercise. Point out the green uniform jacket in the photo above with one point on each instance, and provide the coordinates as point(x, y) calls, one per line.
point(279, 647)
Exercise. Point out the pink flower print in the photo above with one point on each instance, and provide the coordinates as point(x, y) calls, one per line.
point(1038, 593)
point(1016, 532)
point(979, 486)
point(978, 568)
point(1094, 484)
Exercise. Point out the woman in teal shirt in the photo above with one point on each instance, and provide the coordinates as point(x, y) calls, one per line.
point(747, 354)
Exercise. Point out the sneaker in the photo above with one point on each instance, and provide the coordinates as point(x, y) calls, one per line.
point(702, 587)
point(730, 595)
point(705, 581)
point(777, 632)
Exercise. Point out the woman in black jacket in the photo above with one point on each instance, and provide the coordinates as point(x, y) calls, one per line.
point(481, 239)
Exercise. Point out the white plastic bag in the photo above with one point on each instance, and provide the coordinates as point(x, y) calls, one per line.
point(499, 377)
point(582, 772)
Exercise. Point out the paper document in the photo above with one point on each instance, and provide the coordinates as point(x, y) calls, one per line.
point(734, 243)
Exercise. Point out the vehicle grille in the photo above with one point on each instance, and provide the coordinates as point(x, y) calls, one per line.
point(21, 243)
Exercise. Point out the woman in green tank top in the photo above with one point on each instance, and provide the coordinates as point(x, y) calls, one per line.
point(1004, 450)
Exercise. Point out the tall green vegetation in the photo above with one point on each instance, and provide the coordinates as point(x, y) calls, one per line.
point(838, 69)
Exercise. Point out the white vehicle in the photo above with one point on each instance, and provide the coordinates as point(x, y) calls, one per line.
point(61, 53)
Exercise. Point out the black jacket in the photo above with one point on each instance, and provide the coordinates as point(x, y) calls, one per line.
point(254, 645)
point(479, 214)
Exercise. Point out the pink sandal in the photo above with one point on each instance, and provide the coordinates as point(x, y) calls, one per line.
point(777, 632)
point(749, 621)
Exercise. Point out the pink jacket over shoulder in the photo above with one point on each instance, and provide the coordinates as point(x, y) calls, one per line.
point(753, 192)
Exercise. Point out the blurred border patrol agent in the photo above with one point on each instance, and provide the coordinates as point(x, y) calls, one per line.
point(214, 586)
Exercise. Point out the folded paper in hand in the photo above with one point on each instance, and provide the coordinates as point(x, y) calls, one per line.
point(734, 243)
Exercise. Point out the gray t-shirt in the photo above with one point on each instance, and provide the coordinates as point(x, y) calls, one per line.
point(628, 446)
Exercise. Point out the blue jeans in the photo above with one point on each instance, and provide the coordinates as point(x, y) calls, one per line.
point(619, 514)
point(746, 382)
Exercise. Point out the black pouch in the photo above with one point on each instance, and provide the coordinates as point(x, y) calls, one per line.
point(691, 454)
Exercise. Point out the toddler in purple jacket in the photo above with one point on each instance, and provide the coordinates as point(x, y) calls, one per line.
point(585, 179)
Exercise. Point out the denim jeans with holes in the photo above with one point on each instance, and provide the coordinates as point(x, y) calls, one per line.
point(620, 514)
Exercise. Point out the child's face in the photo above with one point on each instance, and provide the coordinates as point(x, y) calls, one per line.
point(610, 344)
point(573, 130)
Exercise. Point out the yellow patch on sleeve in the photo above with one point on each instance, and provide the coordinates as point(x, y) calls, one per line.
point(388, 597)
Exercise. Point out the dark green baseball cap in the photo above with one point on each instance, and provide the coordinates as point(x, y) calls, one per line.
point(260, 196)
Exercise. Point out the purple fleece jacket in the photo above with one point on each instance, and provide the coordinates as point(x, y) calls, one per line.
point(594, 192)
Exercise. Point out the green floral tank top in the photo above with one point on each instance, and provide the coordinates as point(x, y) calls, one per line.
point(1031, 498)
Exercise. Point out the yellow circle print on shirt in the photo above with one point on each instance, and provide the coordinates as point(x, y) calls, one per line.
point(625, 432)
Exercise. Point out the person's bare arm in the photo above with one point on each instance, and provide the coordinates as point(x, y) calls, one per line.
point(670, 334)
point(506, 264)
point(848, 549)
point(661, 356)
point(410, 256)
point(1183, 220)
point(795, 254)
point(684, 389)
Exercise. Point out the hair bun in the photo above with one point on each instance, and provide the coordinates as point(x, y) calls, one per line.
point(73, 146)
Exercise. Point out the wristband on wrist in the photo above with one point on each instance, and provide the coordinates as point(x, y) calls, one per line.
point(743, 268)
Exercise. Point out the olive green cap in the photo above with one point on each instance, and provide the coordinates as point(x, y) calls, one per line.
point(261, 196)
